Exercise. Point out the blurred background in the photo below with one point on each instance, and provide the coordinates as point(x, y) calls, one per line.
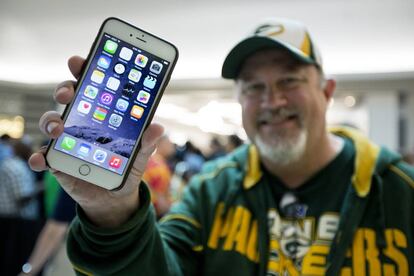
point(366, 45)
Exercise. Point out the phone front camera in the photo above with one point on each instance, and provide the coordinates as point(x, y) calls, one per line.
point(130, 35)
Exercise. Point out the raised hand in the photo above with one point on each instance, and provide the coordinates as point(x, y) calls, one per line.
point(104, 208)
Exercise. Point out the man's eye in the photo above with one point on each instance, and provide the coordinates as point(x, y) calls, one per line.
point(257, 86)
point(288, 83)
point(289, 80)
point(254, 88)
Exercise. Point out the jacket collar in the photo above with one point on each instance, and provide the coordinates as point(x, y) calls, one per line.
point(365, 161)
point(366, 156)
point(253, 171)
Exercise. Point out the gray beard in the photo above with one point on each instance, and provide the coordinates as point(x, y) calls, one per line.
point(285, 151)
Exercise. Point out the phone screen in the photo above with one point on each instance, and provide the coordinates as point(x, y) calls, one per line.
point(112, 105)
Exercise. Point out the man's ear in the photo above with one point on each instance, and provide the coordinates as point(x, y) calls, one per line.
point(329, 89)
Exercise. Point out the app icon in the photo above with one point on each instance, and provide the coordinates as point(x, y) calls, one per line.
point(134, 75)
point(115, 162)
point(68, 143)
point(128, 90)
point(122, 105)
point(113, 83)
point(97, 76)
point(100, 156)
point(156, 67)
point(150, 81)
point(84, 107)
point(84, 149)
point(110, 46)
point(143, 96)
point(137, 111)
point(115, 120)
point(104, 62)
point(141, 60)
point(100, 113)
point(106, 98)
point(90, 92)
point(119, 68)
point(125, 53)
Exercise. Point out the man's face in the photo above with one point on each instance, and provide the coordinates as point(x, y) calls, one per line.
point(283, 104)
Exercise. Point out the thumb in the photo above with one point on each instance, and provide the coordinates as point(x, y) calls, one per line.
point(148, 144)
point(151, 136)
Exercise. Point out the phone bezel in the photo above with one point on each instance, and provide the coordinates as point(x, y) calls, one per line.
point(142, 40)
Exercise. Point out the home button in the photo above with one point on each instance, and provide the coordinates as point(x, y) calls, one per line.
point(84, 170)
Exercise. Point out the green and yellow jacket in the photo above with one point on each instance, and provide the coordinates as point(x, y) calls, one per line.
point(359, 220)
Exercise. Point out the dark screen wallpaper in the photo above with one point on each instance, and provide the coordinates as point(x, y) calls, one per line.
point(113, 102)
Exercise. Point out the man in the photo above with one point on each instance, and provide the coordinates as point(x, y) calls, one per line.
point(298, 200)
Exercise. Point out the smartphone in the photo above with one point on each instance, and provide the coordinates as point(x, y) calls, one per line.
point(121, 84)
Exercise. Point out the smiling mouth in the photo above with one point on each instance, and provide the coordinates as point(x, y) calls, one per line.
point(277, 120)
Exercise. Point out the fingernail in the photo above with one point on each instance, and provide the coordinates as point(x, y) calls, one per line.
point(59, 90)
point(51, 126)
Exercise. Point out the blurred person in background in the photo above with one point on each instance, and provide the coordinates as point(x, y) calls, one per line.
point(179, 180)
point(190, 158)
point(52, 235)
point(299, 200)
point(19, 210)
point(189, 162)
point(51, 189)
point(233, 142)
point(50, 194)
point(18, 190)
point(158, 175)
point(216, 149)
point(5, 138)
point(193, 157)
point(22, 148)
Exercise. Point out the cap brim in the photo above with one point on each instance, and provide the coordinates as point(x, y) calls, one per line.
point(247, 47)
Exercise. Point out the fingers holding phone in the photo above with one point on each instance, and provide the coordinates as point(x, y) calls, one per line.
point(104, 138)
point(75, 64)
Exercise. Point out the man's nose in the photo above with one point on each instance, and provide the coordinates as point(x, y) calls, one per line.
point(274, 98)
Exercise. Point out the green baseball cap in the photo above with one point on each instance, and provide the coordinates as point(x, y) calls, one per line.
point(273, 33)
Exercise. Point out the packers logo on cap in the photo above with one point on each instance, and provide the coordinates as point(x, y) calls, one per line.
point(269, 30)
point(273, 33)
